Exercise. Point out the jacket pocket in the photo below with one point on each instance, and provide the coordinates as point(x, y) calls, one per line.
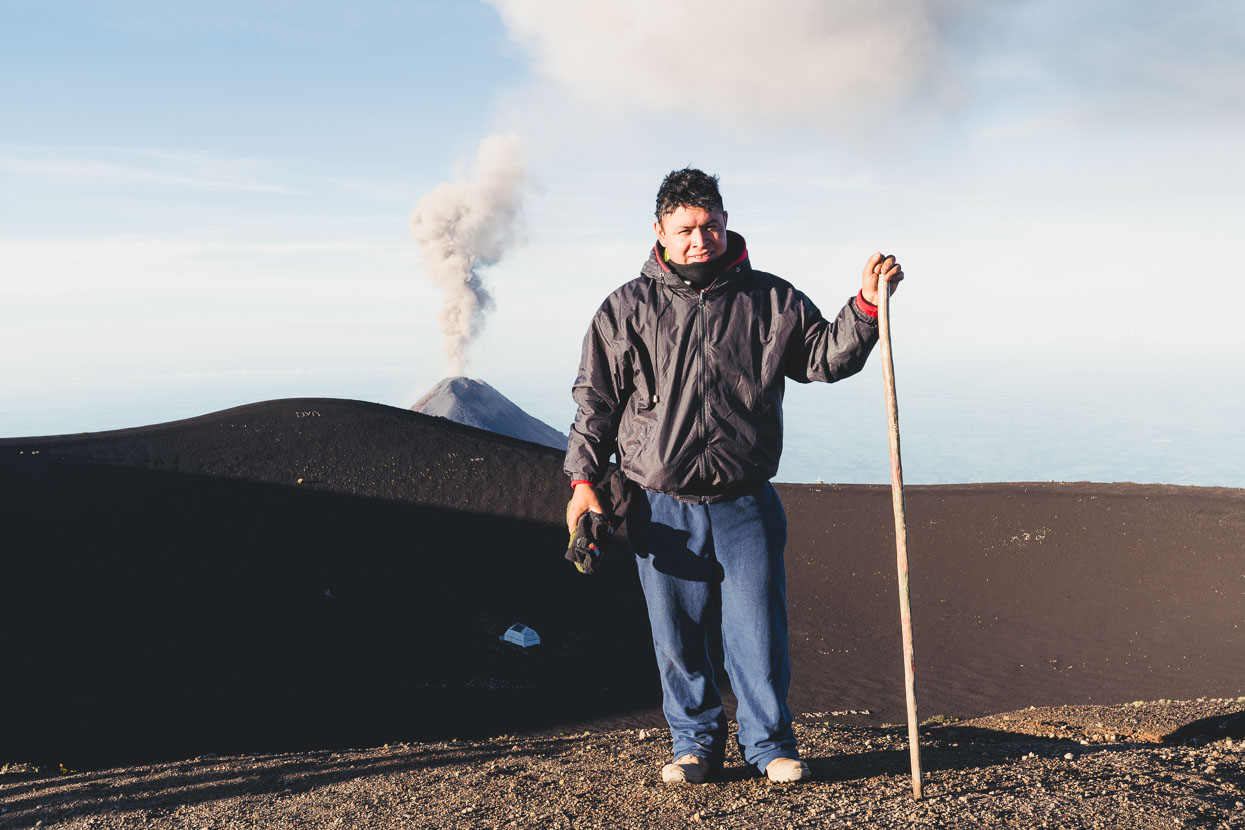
point(636, 428)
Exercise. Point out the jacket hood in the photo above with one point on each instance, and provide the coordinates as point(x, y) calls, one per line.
point(736, 264)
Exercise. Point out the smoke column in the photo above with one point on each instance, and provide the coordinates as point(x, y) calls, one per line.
point(462, 227)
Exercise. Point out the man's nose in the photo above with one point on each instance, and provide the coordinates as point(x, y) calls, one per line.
point(698, 238)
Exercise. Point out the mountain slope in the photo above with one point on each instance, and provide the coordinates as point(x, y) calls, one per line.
point(326, 573)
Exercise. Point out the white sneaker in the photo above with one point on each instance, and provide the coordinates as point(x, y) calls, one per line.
point(689, 769)
point(787, 771)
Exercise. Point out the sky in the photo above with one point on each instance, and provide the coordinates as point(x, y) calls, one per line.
point(208, 205)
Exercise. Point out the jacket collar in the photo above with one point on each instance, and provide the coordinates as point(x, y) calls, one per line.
point(736, 258)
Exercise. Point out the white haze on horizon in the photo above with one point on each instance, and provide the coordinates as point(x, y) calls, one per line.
point(464, 226)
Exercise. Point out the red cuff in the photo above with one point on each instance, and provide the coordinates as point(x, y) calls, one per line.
point(864, 305)
point(576, 482)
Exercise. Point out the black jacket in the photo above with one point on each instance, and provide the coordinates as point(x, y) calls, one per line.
point(687, 386)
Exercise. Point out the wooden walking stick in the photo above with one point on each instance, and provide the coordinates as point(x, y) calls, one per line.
point(901, 533)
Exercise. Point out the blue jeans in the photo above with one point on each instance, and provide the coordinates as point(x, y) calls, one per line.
point(718, 566)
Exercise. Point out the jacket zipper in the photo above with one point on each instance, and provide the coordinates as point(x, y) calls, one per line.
point(704, 398)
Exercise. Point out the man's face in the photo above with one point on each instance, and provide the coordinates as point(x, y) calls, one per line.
point(692, 234)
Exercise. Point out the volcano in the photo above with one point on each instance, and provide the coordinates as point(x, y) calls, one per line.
point(476, 404)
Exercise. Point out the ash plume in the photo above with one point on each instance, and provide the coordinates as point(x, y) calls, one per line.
point(785, 62)
point(464, 226)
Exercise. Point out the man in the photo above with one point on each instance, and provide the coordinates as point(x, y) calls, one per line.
point(682, 375)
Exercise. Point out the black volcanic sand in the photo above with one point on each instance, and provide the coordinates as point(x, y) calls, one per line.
point(174, 590)
point(1022, 595)
point(322, 574)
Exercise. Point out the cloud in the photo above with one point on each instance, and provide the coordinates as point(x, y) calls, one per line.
point(853, 66)
point(145, 277)
point(1032, 125)
point(789, 62)
point(132, 166)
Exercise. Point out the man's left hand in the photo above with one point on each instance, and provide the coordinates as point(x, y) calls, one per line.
point(880, 268)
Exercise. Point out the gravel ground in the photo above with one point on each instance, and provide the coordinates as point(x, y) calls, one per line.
point(1147, 765)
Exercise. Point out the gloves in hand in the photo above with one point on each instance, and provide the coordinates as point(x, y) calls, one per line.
point(591, 537)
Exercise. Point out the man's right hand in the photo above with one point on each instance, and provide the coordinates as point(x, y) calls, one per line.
point(584, 499)
point(880, 268)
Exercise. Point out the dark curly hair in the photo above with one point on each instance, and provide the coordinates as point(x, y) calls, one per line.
point(688, 187)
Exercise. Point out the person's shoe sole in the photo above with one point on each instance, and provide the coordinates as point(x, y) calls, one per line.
point(689, 769)
point(787, 771)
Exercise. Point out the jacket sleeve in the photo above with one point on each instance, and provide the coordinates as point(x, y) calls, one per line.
point(601, 391)
point(828, 351)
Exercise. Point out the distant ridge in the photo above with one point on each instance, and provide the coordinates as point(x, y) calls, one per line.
point(476, 404)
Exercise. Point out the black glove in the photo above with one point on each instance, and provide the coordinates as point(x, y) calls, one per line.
point(592, 536)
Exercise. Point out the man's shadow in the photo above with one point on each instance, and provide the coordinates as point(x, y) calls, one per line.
point(671, 554)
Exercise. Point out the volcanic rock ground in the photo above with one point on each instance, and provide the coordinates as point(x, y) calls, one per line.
point(265, 591)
